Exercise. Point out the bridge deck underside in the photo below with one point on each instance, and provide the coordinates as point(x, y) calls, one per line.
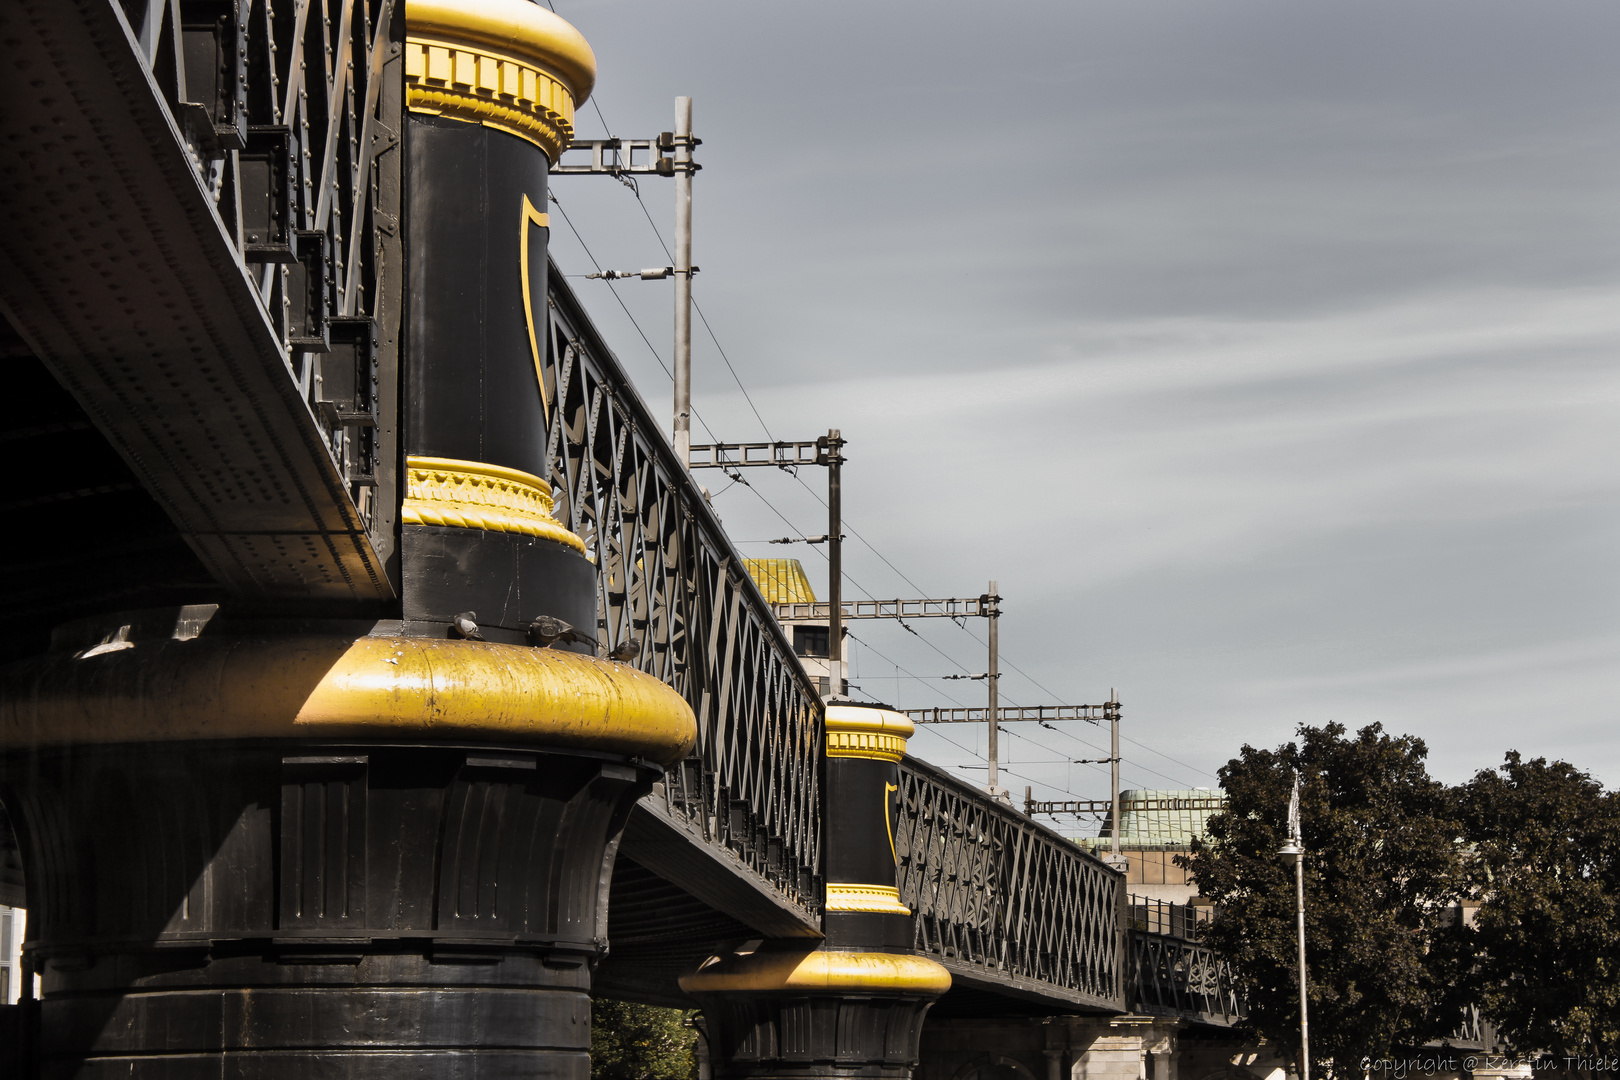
point(85, 535)
point(118, 273)
point(658, 932)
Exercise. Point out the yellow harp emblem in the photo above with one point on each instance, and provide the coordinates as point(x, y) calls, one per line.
point(888, 822)
point(531, 216)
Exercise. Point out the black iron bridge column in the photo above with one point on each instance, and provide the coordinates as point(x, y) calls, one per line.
point(853, 1007)
point(279, 842)
point(491, 86)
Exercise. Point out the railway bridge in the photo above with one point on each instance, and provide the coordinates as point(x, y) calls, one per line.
point(378, 683)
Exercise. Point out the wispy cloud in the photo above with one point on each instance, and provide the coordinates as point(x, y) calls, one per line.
point(1265, 353)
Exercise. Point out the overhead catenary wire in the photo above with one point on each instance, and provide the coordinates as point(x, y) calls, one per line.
point(765, 427)
point(934, 730)
point(650, 346)
point(658, 234)
point(791, 525)
point(636, 191)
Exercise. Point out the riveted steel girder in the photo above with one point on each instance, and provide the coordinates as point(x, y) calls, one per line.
point(129, 139)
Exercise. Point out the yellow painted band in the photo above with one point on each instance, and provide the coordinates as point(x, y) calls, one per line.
point(858, 732)
point(473, 495)
point(870, 899)
point(338, 687)
point(447, 80)
point(766, 971)
point(855, 719)
point(855, 744)
point(516, 27)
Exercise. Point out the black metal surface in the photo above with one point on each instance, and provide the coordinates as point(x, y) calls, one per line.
point(658, 932)
point(507, 579)
point(89, 536)
point(1004, 903)
point(862, 814)
point(861, 805)
point(474, 392)
point(125, 267)
point(670, 578)
point(759, 1028)
point(296, 909)
point(808, 1036)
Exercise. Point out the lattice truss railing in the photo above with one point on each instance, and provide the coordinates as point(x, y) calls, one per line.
point(1171, 975)
point(291, 113)
point(998, 896)
point(673, 592)
point(1474, 1032)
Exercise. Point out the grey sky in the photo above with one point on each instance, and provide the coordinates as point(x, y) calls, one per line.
point(1264, 352)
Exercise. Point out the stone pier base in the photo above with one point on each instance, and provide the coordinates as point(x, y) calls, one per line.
point(1089, 1048)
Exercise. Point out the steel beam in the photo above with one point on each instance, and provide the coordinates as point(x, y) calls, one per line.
point(780, 454)
point(953, 608)
point(1007, 713)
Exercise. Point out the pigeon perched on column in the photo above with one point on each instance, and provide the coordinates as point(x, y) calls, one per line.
point(465, 625)
point(548, 630)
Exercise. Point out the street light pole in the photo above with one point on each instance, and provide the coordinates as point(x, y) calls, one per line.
point(1294, 852)
point(1304, 1007)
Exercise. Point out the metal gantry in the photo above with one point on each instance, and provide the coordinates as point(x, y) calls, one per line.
point(674, 594)
point(828, 451)
point(1103, 806)
point(952, 608)
point(1014, 713)
point(783, 455)
point(668, 155)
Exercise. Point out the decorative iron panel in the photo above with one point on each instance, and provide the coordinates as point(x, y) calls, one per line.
point(1174, 977)
point(290, 111)
point(674, 596)
point(1474, 1032)
point(1001, 898)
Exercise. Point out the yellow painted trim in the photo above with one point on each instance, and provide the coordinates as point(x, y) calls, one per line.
point(888, 821)
point(878, 734)
point(767, 971)
point(872, 899)
point(531, 216)
point(852, 718)
point(338, 687)
point(473, 495)
point(475, 85)
point(841, 744)
point(515, 27)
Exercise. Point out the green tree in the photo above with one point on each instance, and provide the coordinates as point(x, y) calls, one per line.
point(640, 1042)
point(1545, 857)
point(1382, 876)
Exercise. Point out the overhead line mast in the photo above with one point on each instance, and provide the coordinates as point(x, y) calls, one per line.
point(668, 155)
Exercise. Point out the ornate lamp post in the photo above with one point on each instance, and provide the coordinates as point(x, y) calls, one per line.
point(1292, 852)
